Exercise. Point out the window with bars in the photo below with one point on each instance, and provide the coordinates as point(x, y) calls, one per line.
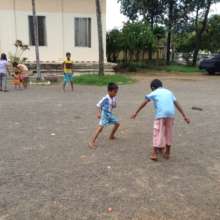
point(41, 30)
point(82, 32)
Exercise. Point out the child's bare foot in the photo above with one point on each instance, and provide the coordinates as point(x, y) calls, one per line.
point(154, 154)
point(166, 156)
point(112, 138)
point(153, 157)
point(167, 153)
point(92, 145)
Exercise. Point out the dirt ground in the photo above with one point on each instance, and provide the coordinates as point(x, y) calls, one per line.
point(47, 171)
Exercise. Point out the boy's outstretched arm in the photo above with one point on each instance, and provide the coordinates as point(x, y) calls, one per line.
point(98, 113)
point(179, 108)
point(140, 108)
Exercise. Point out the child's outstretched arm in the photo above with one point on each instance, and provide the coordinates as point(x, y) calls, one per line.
point(140, 108)
point(179, 108)
point(98, 113)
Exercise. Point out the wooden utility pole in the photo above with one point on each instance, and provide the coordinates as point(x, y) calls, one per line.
point(100, 37)
point(36, 40)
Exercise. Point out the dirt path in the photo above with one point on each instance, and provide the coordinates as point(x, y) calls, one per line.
point(47, 171)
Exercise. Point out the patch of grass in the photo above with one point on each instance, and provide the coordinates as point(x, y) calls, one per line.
point(181, 68)
point(156, 66)
point(135, 67)
point(93, 79)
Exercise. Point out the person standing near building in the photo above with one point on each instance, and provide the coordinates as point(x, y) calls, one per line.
point(68, 72)
point(22, 71)
point(4, 71)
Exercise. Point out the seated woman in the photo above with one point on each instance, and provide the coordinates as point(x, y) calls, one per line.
point(22, 71)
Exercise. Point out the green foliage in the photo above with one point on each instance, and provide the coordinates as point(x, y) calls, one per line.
point(139, 66)
point(181, 69)
point(93, 79)
point(151, 10)
point(185, 41)
point(211, 40)
point(134, 38)
point(137, 36)
point(114, 40)
point(159, 32)
point(175, 15)
point(155, 66)
point(20, 49)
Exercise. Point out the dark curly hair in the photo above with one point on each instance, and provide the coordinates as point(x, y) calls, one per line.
point(3, 56)
point(155, 84)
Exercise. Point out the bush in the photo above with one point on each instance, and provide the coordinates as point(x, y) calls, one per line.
point(181, 68)
point(134, 67)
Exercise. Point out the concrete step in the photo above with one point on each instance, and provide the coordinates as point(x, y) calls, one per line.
point(78, 67)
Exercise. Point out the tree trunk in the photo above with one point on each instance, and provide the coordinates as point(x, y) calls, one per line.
point(100, 37)
point(36, 40)
point(199, 33)
point(126, 56)
point(173, 47)
point(170, 24)
point(150, 49)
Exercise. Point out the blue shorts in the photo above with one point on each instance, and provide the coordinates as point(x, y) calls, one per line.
point(68, 77)
point(108, 119)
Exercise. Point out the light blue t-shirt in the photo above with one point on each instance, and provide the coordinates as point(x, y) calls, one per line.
point(163, 100)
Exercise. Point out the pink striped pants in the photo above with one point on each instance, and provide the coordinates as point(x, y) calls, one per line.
point(163, 132)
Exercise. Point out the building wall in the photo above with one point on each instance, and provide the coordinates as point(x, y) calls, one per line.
point(60, 28)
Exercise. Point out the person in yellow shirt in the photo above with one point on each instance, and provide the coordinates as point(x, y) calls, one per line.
point(68, 72)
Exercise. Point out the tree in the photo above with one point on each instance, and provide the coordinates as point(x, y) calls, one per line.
point(171, 6)
point(19, 51)
point(137, 37)
point(202, 12)
point(177, 15)
point(159, 33)
point(100, 37)
point(134, 38)
point(211, 37)
point(36, 39)
point(114, 44)
point(151, 11)
point(186, 39)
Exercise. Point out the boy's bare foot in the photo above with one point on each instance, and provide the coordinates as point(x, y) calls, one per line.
point(167, 153)
point(92, 145)
point(153, 157)
point(154, 154)
point(166, 156)
point(112, 138)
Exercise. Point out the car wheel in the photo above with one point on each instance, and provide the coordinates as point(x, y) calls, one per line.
point(211, 72)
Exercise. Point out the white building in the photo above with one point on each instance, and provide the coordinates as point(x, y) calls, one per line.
point(64, 25)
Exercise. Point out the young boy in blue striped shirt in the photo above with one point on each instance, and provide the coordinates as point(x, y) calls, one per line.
point(104, 113)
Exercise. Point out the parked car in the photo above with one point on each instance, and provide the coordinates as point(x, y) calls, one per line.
point(211, 65)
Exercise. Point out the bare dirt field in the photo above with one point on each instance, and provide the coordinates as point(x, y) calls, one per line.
point(47, 171)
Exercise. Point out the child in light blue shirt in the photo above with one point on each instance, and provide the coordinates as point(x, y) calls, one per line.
point(104, 113)
point(164, 104)
point(163, 100)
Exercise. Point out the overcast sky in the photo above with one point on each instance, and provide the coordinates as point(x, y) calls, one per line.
point(115, 18)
